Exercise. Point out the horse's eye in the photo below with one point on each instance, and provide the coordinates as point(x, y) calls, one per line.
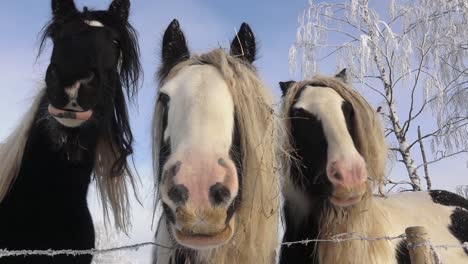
point(297, 111)
point(116, 43)
point(164, 98)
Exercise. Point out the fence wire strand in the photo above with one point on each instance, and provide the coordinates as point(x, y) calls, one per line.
point(135, 247)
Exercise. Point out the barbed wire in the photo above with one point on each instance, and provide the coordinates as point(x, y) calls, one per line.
point(345, 237)
point(71, 252)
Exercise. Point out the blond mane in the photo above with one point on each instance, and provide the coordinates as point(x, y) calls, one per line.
point(255, 239)
point(364, 218)
point(112, 189)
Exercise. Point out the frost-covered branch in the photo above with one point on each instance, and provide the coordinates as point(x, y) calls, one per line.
point(417, 50)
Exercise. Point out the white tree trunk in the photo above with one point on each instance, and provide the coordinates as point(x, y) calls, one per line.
point(402, 142)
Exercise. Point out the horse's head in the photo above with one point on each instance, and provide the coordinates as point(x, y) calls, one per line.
point(323, 130)
point(93, 53)
point(197, 142)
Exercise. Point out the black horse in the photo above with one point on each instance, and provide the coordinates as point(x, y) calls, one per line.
point(77, 127)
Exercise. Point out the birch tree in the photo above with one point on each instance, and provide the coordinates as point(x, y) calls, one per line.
point(413, 57)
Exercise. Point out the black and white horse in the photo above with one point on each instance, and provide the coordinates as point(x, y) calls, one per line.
point(340, 150)
point(77, 127)
point(214, 153)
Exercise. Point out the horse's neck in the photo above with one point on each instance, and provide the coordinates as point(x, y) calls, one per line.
point(53, 171)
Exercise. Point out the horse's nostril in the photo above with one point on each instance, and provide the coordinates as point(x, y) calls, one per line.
point(338, 176)
point(219, 194)
point(178, 194)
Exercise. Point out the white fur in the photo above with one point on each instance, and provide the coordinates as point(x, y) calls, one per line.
point(94, 23)
point(201, 111)
point(417, 209)
point(73, 90)
point(325, 103)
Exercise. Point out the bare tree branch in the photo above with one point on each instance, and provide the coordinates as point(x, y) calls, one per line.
point(444, 156)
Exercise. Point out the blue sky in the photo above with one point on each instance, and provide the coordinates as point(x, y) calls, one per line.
point(207, 24)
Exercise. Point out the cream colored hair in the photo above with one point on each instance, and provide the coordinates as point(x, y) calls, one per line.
point(364, 218)
point(256, 238)
point(112, 189)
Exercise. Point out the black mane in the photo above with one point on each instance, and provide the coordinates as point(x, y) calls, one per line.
point(116, 130)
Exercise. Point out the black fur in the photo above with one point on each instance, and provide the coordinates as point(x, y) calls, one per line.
point(120, 8)
point(122, 34)
point(243, 45)
point(62, 9)
point(448, 199)
point(402, 253)
point(46, 206)
point(459, 225)
point(307, 229)
point(308, 176)
point(342, 75)
point(174, 49)
point(285, 86)
point(165, 145)
point(459, 218)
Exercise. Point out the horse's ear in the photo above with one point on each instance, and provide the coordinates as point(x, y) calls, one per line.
point(285, 86)
point(243, 45)
point(63, 8)
point(174, 48)
point(342, 75)
point(120, 8)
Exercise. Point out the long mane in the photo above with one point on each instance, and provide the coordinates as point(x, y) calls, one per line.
point(365, 218)
point(114, 145)
point(255, 238)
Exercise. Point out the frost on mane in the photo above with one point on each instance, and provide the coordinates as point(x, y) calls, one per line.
point(412, 54)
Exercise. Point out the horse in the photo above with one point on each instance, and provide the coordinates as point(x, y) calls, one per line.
point(339, 155)
point(76, 128)
point(214, 147)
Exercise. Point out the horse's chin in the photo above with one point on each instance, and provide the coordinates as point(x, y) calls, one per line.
point(205, 241)
point(345, 202)
point(71, 119)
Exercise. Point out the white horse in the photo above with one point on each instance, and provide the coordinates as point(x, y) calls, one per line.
point(215, 147)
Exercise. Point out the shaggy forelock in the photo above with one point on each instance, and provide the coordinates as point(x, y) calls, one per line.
point(365, 123)
point(257, 219)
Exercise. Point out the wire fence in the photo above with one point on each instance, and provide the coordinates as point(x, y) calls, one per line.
point(340, 238)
